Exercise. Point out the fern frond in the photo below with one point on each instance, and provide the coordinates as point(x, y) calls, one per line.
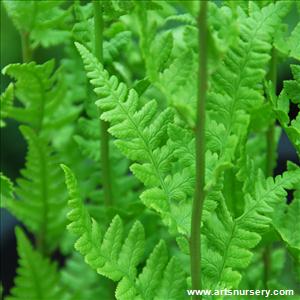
point(78, 289)
point(113, 9)
point(183, 18)
point(119, 106)
point(125, 186)
point(286, 222)
point(281, 106)
point(40, 91)
point(160, 54)
point(83, 32)
point(40, 200)
point(169, 190)
point(113, 47)
point(289, 46)
point(177, 83)
point(45, 21)
point(116, 258)
point(229, 240)
point(252, 275)
point(293, 42)
point(37, 278)
point(7, 188)
point(236, 87)
point(6, 102)
point(142, 134)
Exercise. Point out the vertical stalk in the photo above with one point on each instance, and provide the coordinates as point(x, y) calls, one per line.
point(26, 49)
point(27, 54)
point(195, 242)
point(104, 143)
point(272, 75)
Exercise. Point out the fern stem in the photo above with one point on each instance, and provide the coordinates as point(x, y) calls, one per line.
point(26, 49)
point(195, 243)
point(104, 143)
point(43, 229)
point(40, 238)
point(272, 75)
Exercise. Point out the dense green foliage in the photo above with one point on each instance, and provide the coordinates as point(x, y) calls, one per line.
point(144, 88)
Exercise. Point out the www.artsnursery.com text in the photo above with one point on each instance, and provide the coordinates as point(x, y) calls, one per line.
point(227, 292)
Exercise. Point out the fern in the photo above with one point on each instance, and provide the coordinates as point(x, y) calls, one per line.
point(41, 105)
point(288, 45)
point(281, 106)
point(235, 87)
point(286, 223)
point(117, 258)
point(293, 44)
point(88, 142)
point(83, 32)
point(136, 140)
point(6, 104)
point(233, 248)
point(7, 188)
point(253, 278)
point(148, 146)
point(44, 21)
point(162, 157)
point(37, 277)
point(39, 200)
point(89, 288)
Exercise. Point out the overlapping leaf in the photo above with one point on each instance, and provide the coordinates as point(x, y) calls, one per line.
point(45, 105)
point(40, 201)
point(228, 240)
point(37, 278)
point(44, 21)
point(281, 106)
point(6, 98)
point(117, 258)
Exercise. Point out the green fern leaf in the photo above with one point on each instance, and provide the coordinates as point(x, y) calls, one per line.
point(83, 32)
point(114, 9)
point(177, 83)
point(7, 189)
point(37, 278)
point(289, 46)
point(287, 225)
point(161, 50)
point(236, 88)
point(40, 200)
point(286, 222)
point(294, 42)
point(125, 187)
point(141, 134)
point(40, 91)
point(117, 258)
point(183, 18)
point(149, 280)
point(113, 47)
point(229, 240)
point(6, 100)
point(77, 289)
point(44, 21)
point(281, 106)
point(172, 286)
